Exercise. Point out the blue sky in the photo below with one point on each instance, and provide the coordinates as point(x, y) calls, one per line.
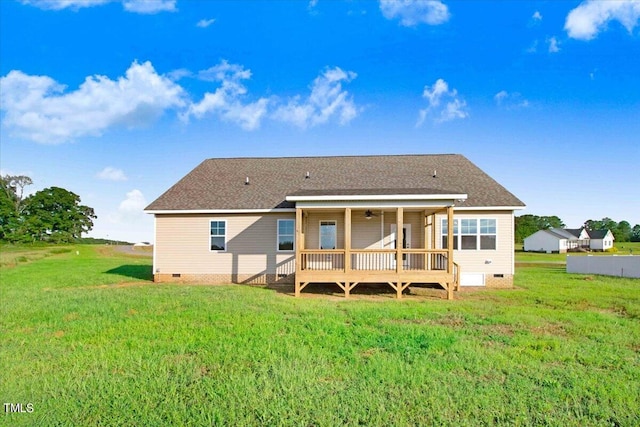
point(116, 100)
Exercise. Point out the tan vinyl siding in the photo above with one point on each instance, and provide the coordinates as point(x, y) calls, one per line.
point(182, 245)
point(312, 227)
point(365, 233)
point(498, 261)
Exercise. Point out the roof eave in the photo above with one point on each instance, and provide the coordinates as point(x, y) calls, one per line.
point(374, 197)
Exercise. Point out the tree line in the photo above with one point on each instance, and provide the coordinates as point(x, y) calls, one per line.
point(526, 225)
point(53, 214)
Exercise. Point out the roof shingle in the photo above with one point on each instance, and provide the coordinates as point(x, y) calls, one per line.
point(219, 184)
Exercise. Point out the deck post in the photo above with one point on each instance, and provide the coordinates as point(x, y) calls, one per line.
point(347, 240)
point(433, 231)
point(299, 245)
point(450, 250)
point(399, 239)
point(425, 234)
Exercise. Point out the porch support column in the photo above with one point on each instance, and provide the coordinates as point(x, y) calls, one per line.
point(450, 251)
point(347, 241)
point(299, 244)
point(433, 231)
point(425, 234)
point(399, 239)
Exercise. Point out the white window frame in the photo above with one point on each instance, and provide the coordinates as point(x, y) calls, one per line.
point(335, 234)
point(456, 225)
point(293, 236)
point(218, 235)
point(458, 236)
point(462, 234)
point(480, 233)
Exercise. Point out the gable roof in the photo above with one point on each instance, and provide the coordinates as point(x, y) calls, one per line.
point(597, 234)
point(574, 231)
point(219, 184)
point(560, 233)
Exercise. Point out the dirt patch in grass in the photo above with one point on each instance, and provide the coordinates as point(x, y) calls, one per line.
point(554, 329)
point(451, 320)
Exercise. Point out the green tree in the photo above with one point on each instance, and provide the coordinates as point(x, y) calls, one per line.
point(526, 225)
point(55, 214)
point(11, 195)
point(635, 233)
point(622, 233)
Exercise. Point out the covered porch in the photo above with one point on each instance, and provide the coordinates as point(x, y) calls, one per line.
point(378, 238)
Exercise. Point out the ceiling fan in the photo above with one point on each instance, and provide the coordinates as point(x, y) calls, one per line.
point(369, 214)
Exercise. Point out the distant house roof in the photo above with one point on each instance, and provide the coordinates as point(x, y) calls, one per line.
point(597, 234)
point(574, 231)
point(222, 183)
point(565, 233)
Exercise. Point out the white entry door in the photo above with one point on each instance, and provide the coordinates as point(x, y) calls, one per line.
point(406, 243)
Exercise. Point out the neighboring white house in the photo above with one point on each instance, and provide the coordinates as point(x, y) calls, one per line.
point(600, 240)
point(561, 240)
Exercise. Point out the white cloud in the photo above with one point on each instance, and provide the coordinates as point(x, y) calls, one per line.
point(63, 4)
point(590, 17)
point(37, 108)
point(149, 6)
point(130, 210)
point(510, 101)
point(134, 204)
point(111, 174)
point(537, 16)
point(226, 101)
point(136, 6)
point(178, 74)
point(454, 107)
point(533, 48)
point(414, 12)
point(204, 23)
point(327, 100)
point(554, 45)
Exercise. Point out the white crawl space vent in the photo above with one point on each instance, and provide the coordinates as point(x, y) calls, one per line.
point(472, 279)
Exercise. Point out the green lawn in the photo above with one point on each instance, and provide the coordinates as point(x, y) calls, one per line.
point(88, 340)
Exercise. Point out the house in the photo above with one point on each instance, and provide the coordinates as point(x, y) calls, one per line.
point(600, 240)
point(556, 240)
point(336, 220)
point(562, 240)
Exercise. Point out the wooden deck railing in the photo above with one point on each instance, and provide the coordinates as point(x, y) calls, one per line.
point(374, 260)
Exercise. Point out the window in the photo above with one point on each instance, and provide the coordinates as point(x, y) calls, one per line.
point(487, 234)
point(328, 234)
point(445, 231)
point(469, 233)
point(218, 235)
point(286, 234)
point(472, 234)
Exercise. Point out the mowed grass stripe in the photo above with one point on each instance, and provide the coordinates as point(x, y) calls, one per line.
point(559, 350)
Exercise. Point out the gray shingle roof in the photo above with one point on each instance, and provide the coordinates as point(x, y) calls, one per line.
point(564, 233)
point(220, 183)
point(574, 231)
point(597, 234)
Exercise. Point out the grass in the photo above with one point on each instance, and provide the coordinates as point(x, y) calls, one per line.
point(11, 255)
point(88, 340)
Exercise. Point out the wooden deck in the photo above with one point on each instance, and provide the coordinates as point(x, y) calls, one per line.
point(375, 266)
point(399, 267)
